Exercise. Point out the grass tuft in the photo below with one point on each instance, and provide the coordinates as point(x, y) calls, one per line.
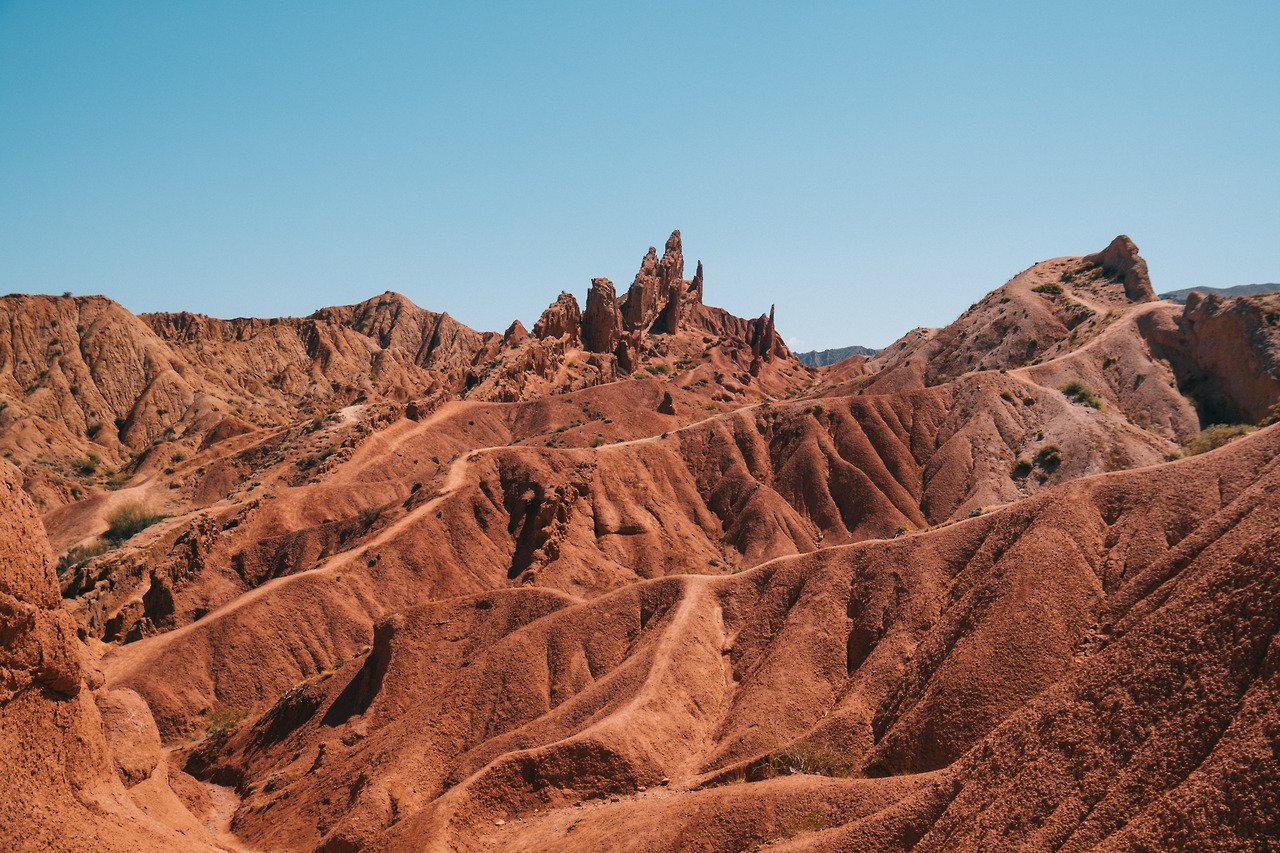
point(128, 520)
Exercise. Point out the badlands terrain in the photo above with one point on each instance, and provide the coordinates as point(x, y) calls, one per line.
point(636, 578)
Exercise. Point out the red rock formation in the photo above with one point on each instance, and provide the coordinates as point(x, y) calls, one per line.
point(671, 268)
point(640, 305)
point(562, 319)
point(602, 322)
point(72, 776)
point(515, 333)
point(1121, 259)
point(647, 303)
point(455, 582)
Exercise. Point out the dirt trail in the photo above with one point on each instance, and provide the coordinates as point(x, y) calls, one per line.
point(127, 658)
point(218, 822)
point(1122, 322)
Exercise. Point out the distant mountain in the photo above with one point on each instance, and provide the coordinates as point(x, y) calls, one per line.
point(1238, 290)
point(824, 357)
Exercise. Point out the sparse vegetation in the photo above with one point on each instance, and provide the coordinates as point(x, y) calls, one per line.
point(1078, 392)
point(129, 519)
point(1213, 437)
point(816, 759)
point(81, 554)
point(221, 721)
point(86, 467)
point(1052, 288)
point(369, 516)
point(1022, 468)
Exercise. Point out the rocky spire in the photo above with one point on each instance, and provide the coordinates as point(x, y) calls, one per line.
point(1121, 258)
point(671, 268)
point(655, 285)
point(695, 286)
point(562, 317)
point(763, 337)
point(641, 302)
point(601, 322)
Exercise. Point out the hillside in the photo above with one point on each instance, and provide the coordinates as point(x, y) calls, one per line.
point(640, 578)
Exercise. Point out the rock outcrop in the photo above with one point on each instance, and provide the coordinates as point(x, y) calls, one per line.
point(562, 319)
point(1225, 353)
point(654, 300)
point(515, 334)
point(601, 322)
point(64, 765)
point(1121, 259)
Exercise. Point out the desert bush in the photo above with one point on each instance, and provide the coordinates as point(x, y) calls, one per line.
point(817, 759)
point(369, 516)
point(87, 466)
point(129, 519)
point(1049, 457)
point(1213, 437)
point(1078, 392)
point(1050, 287)
point(81, 554)
point(1022, 468)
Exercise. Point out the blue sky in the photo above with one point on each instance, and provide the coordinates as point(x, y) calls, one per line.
point(869, 167)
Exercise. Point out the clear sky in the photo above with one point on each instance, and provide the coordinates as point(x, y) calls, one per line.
point(869, 167)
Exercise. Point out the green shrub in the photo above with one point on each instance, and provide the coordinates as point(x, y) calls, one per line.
point(1049, 457)
point(369, 516)
point(128, 520)
point(1050, 287)
point(1078, 392)
point(87, 466)
point(116, 481)
point(1213, 437)
point(1022, 468)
